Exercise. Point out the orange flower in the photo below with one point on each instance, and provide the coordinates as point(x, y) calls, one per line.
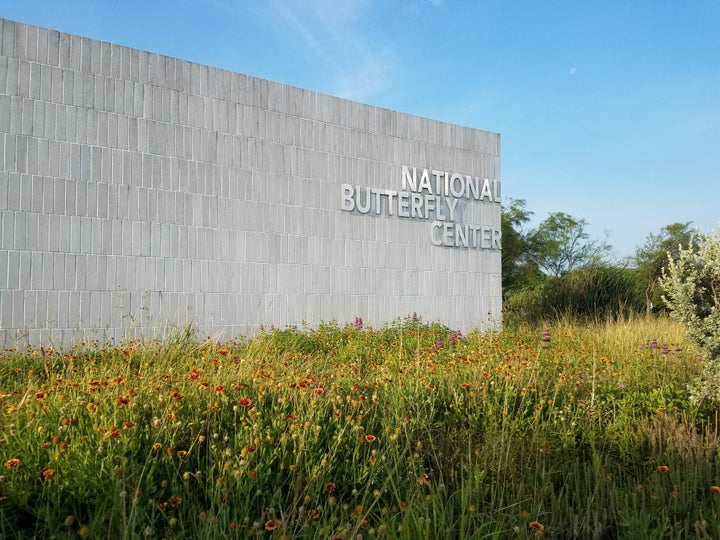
point(537, 526)
point(272, 524)
point(663, 468)
point(370, 438)
point(47, 473)
point(12, 462)
point(715, 489)
point(247, 449)
point(245, 402)
point(157, 446)
point(181, 453)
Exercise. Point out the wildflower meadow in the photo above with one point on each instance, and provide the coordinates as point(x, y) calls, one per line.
point(407, 431)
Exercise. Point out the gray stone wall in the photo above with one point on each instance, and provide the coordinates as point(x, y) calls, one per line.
point(139, 191)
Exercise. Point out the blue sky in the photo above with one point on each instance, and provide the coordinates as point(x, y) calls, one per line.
point(608, 110)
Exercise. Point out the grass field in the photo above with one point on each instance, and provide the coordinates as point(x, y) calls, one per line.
point(409, 431)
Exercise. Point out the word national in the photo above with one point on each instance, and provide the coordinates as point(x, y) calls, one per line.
point(431, 195)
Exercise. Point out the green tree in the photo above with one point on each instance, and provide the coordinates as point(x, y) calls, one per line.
point(516, 255)
point(561, 244)
point(691, 281)
point(652, 258)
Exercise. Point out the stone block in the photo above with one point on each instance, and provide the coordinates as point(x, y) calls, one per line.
point(205, 183)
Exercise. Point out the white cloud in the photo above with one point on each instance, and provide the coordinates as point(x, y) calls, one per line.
point(326, 35)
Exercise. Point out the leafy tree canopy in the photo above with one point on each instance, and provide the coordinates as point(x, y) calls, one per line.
point(653, 257)
point(516, 247)
point(561, 244)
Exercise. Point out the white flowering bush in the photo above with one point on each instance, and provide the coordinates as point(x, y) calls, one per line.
point(692, 292)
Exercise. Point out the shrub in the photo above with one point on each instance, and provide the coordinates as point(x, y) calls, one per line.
point(590, 293)
point(593, 292)
point(692, 285)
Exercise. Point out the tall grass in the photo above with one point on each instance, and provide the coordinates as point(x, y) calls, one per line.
point(408, 431)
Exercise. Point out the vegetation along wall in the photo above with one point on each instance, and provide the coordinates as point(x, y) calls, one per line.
point(139, 191)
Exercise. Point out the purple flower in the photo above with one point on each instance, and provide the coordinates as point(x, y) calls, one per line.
point(546, 336)
point(358, 323)
point(454, 337)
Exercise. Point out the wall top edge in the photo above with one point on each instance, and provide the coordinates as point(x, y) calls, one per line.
point(91, 51)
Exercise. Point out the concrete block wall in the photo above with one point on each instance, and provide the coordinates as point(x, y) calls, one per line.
point(139, 191)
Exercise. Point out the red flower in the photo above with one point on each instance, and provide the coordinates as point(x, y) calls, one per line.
point(715, 489)
point(47, 473)
point(329, 487)
point(12, 462)
point(536, 525)
point(220, 389)
point(319, 391)
point(245, 402)
point(272, 524)
point(663, 468)
point(370, 438)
